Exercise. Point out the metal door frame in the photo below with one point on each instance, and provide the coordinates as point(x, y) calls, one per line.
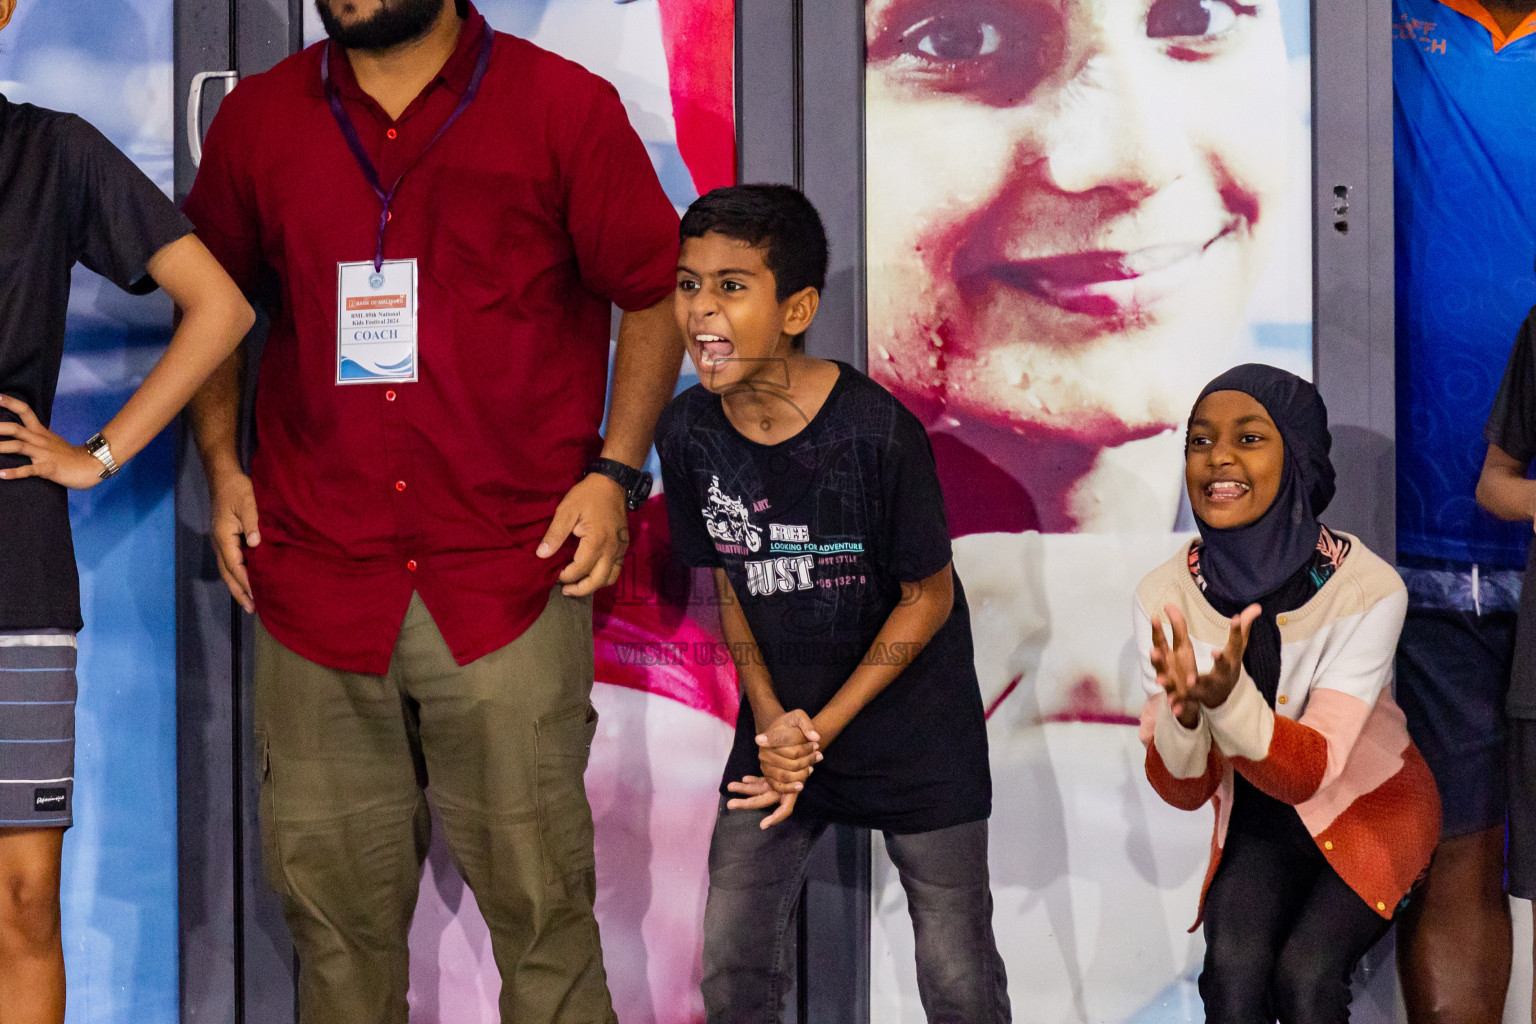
point(236, 957)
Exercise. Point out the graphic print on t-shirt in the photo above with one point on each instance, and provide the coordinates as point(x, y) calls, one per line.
point(728, 522)
point(773, 575)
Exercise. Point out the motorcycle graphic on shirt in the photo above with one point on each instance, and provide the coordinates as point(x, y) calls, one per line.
point(726, 519)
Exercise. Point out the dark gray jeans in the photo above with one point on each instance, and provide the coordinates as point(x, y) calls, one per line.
point(755, 876)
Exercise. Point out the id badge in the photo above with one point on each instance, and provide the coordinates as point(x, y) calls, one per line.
point(376, 332)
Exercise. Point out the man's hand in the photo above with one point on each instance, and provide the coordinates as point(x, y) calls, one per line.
point(757, 794)
point(53, 458)
point(788, 749)
point(233, 521)
point(592, 511)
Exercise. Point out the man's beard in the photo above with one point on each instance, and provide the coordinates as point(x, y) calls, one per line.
point(399, 21)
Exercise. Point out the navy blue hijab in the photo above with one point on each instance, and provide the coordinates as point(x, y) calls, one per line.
point(1247, 563)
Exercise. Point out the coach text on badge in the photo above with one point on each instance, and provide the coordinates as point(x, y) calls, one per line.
point(376, 322)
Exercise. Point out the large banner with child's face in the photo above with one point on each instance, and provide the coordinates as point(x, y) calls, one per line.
point(1079, 212)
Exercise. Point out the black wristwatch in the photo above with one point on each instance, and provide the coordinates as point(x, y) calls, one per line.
point(636, 482)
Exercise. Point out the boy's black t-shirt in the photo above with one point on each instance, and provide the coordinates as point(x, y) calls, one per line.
point(1511, 427)
point(816, 535)
point(67, 195)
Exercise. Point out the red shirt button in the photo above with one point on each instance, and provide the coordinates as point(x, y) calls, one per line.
point(399, 485)
point(391, 133)
point(411, 565)
point(389, 396)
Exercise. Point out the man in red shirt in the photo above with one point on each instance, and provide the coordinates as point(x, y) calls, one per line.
point(439, 218)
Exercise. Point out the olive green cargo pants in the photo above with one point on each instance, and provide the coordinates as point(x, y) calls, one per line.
point(346, 761)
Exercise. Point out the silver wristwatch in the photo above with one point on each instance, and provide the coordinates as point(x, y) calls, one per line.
point(97, 446)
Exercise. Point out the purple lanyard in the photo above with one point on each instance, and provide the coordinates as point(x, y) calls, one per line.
point(349, 132)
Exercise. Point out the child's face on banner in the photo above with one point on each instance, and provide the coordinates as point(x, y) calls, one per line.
point(1070, 202)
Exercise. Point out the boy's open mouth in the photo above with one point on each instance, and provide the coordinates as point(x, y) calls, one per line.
point(713, 350)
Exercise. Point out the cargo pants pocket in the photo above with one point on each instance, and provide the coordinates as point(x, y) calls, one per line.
point(564, 743)
point(271, 851)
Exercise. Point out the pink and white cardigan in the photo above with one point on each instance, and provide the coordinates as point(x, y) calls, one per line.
point(1335, 745)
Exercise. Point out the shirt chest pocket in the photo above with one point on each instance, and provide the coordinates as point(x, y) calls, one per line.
point(492, 234)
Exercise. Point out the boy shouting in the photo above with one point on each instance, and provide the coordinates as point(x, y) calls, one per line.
point(811, 493)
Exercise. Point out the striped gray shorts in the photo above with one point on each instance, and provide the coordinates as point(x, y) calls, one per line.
point(37, 729)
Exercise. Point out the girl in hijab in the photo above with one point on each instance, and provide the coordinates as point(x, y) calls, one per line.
point(1272, 699)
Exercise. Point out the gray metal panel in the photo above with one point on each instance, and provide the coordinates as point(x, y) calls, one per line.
point(205, 823)
point(832, 168)
point(237, 961)
point(767, 91)
point(837, 949)
point(269, 967)
point(800, 121)
point(201, 33)
point(266, 31)
point(1353, 347)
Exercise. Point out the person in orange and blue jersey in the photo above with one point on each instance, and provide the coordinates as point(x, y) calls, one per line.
point(1466, 233)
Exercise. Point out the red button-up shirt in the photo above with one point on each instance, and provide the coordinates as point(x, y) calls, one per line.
point(529, 216)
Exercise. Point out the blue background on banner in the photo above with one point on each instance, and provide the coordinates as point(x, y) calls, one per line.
point(110, 61)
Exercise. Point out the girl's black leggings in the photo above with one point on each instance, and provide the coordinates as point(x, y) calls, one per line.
point(1283, 933)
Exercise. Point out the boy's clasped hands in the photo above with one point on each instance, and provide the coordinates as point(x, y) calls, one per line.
point(788, 751)
point(1188, 688)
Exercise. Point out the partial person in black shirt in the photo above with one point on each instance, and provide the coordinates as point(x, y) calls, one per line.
point(812, 495)
point(68, 196)
point(1503, 489)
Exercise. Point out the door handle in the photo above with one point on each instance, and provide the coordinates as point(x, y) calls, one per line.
point(195, 108)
